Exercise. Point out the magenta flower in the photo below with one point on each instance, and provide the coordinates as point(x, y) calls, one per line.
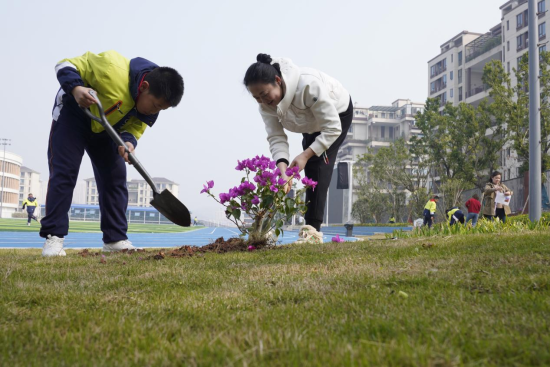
point(208, 186)
point(224, 198)
point(293, 171)
point(338, 239)
point(281, 181)
point(256, 200)
point(251, 248)
point(273, 188)
point(309, 182)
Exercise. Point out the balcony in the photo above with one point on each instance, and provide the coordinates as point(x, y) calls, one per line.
point(482, 45)
point(438, 88)
point(476, 90)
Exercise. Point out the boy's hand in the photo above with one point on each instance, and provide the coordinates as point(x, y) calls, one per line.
point(83, 97)
point(122, 152)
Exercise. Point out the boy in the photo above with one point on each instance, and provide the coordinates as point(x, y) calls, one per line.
point(133, 92)
point(31, 203)
point(474, 206)
point(455, 215)
point(429, 211)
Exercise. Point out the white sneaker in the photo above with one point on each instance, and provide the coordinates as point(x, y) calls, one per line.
point(53, 247)
point(309, 234)
point(28, 224)
point(118, 246)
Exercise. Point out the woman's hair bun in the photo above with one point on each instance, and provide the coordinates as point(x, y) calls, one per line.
point(264, 58)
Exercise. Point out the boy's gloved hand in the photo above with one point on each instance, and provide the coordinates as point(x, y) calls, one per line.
point(122, 152)
point(83, 97)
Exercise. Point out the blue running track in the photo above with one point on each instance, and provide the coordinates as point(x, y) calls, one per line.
point(198, 237)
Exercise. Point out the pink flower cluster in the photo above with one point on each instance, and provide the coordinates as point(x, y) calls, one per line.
point(309, 182)
point(242, 189)
point(256, 163)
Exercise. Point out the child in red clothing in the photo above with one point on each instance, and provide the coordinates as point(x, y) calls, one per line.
point(474, 206)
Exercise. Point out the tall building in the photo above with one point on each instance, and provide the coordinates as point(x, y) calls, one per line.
point(29, 183)
point(10, 174)
point(139, 192)
point(455, 75)
point(373, 127)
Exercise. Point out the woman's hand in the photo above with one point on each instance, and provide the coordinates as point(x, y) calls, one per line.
point(302, 158)
point(288, 185)
point(83, 97)
point(123, 153)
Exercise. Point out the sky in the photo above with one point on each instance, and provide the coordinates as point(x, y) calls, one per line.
point(378, 50)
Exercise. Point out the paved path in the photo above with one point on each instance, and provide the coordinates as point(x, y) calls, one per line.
point(199, 237)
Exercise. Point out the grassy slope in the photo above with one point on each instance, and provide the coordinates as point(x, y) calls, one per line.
point(480, 300)
point(20, 225)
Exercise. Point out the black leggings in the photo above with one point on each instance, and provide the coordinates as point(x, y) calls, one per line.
point(319, 171)
point(499, 213)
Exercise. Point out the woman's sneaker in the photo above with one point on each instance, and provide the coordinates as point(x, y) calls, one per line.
point(118, 246)
point(53, 247)
point(309, 234)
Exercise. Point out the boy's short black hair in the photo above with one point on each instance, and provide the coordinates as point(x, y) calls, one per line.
point(166, 83)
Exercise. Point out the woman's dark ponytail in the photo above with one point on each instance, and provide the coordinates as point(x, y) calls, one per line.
point(262, 71)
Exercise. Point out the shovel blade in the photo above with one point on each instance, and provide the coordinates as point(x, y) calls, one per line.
point(173, 209)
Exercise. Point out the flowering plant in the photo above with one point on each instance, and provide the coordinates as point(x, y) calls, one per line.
point(265, 200)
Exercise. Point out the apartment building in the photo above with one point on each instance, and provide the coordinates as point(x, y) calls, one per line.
point(139, 192)
point(10, 174)
point(455, 75)
point(371, 128)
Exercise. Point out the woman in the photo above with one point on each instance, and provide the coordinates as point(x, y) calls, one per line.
point(490, 208)
point(306, 101)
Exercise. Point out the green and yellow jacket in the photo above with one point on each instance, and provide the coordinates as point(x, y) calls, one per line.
point(116, 80)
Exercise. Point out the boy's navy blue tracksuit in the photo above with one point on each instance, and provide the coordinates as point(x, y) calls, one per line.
point(71, 135)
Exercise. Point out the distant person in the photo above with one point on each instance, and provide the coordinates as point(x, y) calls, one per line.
point(474, 206)
point(455, 215)
point(490, 208)
point(31, 203)
point(429, 211)
point(305, 101)
point(392, 220)
point(133, 92)
point(195, 222)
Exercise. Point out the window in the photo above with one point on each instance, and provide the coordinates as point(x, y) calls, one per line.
point(460, 58)
point(519, 42)
point(508, 67)
point(542, 30)
point(452, 58)
point(451, 93)
point(503, 54)
point(382, 131)
point(519, 20)
point(444, 80)
point(541, 6)
point(383, 115)
point(459, 76)
point(507, 45)
point(519, 60)
point(507, 25)
point(451, 75)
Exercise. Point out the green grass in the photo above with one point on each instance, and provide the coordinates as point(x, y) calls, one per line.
point(20, 225)
point(477, 300)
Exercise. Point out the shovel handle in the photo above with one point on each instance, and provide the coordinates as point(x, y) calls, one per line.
point(116, 138)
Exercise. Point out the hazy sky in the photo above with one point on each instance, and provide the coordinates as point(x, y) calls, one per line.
point(377, 49)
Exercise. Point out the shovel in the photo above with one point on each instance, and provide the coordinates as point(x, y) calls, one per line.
point(165, 202)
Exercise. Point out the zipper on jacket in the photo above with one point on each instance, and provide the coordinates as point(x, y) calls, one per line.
point(113, 108)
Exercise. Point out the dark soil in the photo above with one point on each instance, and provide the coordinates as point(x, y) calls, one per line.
point(220, 246)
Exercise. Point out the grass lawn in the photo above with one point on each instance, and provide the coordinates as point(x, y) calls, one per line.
point(454, 301)
point(20, 225)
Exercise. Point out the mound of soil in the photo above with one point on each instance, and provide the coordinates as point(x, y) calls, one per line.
point(220, 246)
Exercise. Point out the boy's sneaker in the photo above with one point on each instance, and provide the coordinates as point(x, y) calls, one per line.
point(309, 234)
point(28, 224)
point(118, 246)
point(53, 247)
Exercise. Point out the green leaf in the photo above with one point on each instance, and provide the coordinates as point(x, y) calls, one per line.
point(237, 213)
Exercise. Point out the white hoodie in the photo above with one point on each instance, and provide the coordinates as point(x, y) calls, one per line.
point(311, 104)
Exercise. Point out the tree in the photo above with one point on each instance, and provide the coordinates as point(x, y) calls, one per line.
point(398, 172)
point(511, 105)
